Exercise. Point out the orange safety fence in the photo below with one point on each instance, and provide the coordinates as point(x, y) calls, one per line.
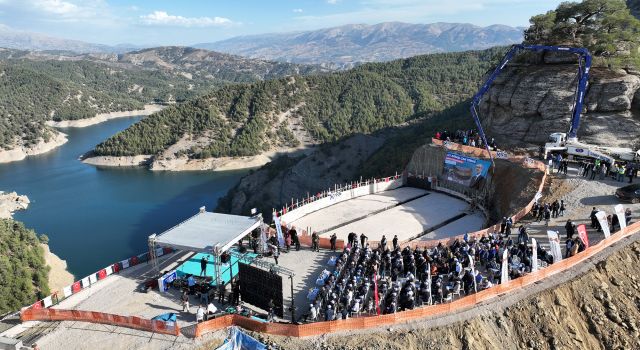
point(357, 323)
point(155, 326)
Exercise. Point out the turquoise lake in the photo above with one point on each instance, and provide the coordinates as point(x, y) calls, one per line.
point(96, 216)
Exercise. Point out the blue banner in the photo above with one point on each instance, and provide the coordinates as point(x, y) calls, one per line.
point(467, 171)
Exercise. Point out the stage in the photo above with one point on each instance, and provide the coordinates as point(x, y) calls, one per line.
point(406, 212)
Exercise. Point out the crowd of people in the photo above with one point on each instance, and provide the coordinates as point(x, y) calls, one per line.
point(465, 137)
point(595, 169)
point(407, 278)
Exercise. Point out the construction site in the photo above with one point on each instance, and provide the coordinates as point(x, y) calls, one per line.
point(463, 248)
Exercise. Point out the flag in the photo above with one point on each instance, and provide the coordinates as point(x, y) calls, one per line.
point(620, 213)
point(582, 233)
point(67, 291)
point(263, 238)
point(534, 256)
point(276, 220)
point(375, 292)
point(554, 244)
point(47, 301)
point(429, 281)
point(505, 267)
point(473, 273)
point(604, 224)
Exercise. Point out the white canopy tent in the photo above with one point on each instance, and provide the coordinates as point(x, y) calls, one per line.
point(206, 232)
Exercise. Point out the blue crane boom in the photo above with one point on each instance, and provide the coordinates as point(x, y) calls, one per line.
point(584, 65)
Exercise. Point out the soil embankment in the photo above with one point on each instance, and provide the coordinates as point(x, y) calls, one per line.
point(21, 152)
point(59, 277)
point(102, 117)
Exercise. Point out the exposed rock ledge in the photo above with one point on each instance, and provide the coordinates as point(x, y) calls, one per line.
point(11, 202)
point(102, 117)
point(183, 163)
point(109, 161)
point(21, 152)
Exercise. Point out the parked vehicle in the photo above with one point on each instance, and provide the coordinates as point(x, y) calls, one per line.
point(629, 193)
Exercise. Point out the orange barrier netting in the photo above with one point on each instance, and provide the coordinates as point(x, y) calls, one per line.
point(134, 322)
point(319, 328)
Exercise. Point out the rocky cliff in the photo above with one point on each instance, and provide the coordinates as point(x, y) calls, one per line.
point(293, 177)
point(529, 102)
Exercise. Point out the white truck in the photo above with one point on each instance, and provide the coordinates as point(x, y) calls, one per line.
point(579, 151)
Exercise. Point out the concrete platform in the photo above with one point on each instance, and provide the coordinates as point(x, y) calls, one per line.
point(471, 222)
point(412, 218)
point(357, 208)
point(307, 265)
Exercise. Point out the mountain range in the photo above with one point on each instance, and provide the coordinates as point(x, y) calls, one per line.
point(351, 44)
point(23, 40)
point(336, 47)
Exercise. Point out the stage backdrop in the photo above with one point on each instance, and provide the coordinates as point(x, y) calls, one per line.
point(466, 171)
point(258, 287)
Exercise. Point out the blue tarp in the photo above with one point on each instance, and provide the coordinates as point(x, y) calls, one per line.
point(238, 340)
point(166, 317)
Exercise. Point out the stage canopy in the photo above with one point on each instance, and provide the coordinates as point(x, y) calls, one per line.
point(205, 230)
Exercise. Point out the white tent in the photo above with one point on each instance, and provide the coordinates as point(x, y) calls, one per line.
point(205, 230)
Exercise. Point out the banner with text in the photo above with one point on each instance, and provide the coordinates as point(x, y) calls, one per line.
point(620, 213)
point(604, 224)
point(467, 171)
point(534, 255)
point(582, 233)
point(554, 244)
point(504, 278)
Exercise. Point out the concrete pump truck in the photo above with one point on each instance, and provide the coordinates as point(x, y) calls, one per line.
point(560, 142)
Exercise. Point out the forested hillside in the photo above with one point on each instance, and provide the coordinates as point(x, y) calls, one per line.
point(241, 120)
point(40, 86)
point(23, 271)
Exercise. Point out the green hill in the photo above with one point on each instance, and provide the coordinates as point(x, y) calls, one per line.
point(242, 120)
point(40, 86)
point(23, 271)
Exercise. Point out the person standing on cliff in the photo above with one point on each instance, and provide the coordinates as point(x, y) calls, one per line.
point(350, 239)
point(383, 243)
point(333, 241)
point(203, 266)
point(569, 228)
point(363, 239)
point(185, 302)
point(294, 238)
point(315, 239)
point(395, 242)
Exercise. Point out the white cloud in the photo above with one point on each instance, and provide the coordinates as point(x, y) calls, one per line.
point(162, 18)
point(60, 10)
point(298, 10)
point(375, 11)
point(332, 2)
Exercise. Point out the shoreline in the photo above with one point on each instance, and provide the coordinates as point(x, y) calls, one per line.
point(12, 202)
point(59, 276)
point(103, 117)
point(20, 153)
point(186, 164)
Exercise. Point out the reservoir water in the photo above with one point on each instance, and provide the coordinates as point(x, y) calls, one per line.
point(97, 216)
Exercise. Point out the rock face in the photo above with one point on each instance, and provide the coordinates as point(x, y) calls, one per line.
point(284, 178)
point(527, 103)
point(11, 202)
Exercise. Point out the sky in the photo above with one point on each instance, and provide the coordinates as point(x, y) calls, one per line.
point(184, 22)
